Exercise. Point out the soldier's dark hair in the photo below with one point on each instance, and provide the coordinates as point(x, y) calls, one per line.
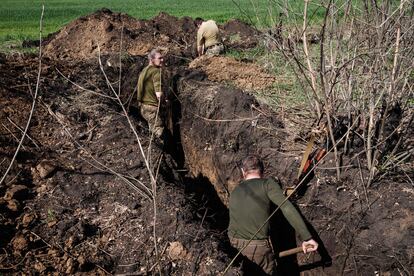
point(198, 21)
point(252, 163)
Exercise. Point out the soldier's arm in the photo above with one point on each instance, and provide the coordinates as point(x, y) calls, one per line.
point(139, 88)
point(200, 40)
point(156, 79)
point(275, 194)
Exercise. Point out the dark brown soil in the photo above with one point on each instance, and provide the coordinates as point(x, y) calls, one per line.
point(78, 216)
point(73, 201)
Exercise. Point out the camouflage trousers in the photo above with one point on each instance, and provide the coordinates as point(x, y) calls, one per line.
point(215, 50)
point(154, 120)
point(259, 252)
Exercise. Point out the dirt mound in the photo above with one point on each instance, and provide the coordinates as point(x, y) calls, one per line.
point(80, 38)
point(239, 35)
point(247, 76)
point(230, 124)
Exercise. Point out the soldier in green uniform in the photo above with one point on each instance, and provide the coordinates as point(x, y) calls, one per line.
point(249, 208)
point(150, 93)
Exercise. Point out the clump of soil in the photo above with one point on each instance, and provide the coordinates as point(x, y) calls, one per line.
point(247, 76)
point(106, 31)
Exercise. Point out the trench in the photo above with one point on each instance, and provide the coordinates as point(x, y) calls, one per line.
point(211, 210)
point(203, 179)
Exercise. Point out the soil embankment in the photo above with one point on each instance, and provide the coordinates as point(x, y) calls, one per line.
point(79, 198)
point(104, 30)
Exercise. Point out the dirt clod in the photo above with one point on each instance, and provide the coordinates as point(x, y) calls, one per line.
point(39, 266)
point(27, 219)
point(45, 168)
point(18, 192)
point(13, 205)
point(19, 243)
point(176, 251)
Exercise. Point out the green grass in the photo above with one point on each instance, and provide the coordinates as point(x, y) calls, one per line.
point(19, 19)
point(249, 54)
point(286, 90)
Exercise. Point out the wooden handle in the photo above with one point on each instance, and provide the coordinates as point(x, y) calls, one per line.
point(290, 252)
point(293, 251)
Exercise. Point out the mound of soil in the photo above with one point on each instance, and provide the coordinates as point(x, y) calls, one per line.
point(239, 35)
point(107, 32)
point(247, 76)
point(103, 30)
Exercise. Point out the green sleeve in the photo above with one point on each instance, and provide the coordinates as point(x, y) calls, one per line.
point(140, 84)
point(156, 79)
point(139, 90)
point(275, 194)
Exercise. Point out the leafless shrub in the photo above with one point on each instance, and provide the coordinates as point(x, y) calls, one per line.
point(361, 66)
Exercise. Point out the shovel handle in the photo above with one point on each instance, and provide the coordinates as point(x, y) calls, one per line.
point(292, 251)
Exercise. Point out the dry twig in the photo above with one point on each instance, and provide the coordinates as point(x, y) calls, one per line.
point(34, 98)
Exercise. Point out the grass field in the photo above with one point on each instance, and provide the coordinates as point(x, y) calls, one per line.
point(19, 19)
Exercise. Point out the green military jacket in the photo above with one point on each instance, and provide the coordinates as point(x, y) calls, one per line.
point(250, 206)
point(149, 82)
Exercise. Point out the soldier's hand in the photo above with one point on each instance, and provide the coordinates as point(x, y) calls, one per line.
point(309, 246)
point(159, 95)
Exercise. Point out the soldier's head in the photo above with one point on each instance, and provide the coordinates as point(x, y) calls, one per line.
point(252, 165)
point(155, 58)
point(198, 21)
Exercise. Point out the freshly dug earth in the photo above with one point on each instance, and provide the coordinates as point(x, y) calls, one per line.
point(247, 76)
point(114, 33)
point(78, 197)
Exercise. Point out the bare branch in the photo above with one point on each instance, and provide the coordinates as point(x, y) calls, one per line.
point(34, 98)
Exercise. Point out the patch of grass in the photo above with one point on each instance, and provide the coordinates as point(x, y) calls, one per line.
point(249, 54)
point(235, 38)
point(15, 46)
point(410, 102)
point(286, 91)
